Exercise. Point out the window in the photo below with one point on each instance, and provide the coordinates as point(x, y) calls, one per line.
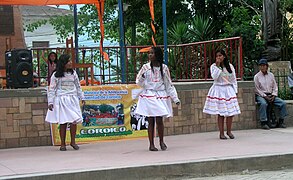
point(40, 44)
point(6, 20)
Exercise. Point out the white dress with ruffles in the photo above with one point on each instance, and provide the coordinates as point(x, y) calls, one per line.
point(221, 98)
point(65, 93)
point(155, 99)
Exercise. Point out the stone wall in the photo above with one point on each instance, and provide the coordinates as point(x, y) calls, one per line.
point(22, 114)
point(189, 118)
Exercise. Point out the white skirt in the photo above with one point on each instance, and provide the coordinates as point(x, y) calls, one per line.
point(66, 109)
point(154, 103)
point(222, 100)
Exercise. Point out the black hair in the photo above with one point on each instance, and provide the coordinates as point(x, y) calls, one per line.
point(63, 60)
point(51, 62)
point(159, 57)
point(226, 61)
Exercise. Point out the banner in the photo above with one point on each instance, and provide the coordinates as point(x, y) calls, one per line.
point(108, 114)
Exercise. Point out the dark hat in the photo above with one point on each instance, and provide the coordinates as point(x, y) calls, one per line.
point(263, 61)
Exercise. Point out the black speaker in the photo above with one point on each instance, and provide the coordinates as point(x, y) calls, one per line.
point(19, 68)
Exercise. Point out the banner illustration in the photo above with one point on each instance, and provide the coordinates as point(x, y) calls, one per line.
point(108, 114)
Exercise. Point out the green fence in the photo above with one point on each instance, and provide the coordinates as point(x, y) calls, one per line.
point(284, 92)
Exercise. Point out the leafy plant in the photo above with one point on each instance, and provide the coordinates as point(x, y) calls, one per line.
point(179, 33)
point(284, 93)
point(201, 29)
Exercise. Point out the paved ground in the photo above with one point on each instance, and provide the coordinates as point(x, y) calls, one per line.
point(193, 154)
point(250, 175)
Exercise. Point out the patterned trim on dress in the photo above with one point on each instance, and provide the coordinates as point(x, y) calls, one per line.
point(145, 96)
point(208, 111)
point(222, 98)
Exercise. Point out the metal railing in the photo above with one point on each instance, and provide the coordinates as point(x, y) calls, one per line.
point(191, 62)
point(187, 62)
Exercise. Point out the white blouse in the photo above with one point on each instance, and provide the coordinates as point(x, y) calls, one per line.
point(153, 80)
point(67, 85)
point(223, 77)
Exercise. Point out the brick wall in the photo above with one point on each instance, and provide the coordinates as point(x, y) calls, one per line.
point(22, 114)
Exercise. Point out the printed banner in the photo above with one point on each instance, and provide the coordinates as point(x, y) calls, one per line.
point(108, 114)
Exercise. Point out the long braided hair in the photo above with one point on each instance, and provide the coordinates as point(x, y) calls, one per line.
point(159, 57)
point(226, 61)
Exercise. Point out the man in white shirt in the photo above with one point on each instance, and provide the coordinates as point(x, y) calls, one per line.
point(266, 90)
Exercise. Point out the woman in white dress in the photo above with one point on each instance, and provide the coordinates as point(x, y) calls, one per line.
point(63, 100)
point(155, 99)
point(222, 99)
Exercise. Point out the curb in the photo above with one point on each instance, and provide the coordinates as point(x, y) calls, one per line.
point(176, 170)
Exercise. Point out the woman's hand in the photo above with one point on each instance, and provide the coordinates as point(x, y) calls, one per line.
point(50, 107)
point(218, 62)
point(83, 102)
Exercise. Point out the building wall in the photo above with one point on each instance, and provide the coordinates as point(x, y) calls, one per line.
point(32, 14)
point(17, 40)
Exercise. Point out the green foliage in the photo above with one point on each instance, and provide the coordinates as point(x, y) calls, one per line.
point(42, 63)
point(185, 59)
point(63, 26)
point(208, 19)
point(174, 64)
point(247, 25)
point(286, 6)
point(136, 18)
point(287, 30)
point(179, 33)
point(199, 29)
point(284, 93)
point(202, 29)
point(35, 25)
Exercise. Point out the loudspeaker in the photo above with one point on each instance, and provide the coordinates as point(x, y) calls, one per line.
point(19, 68)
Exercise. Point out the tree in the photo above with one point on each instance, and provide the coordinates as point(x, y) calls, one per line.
point(136, 21)
point(186, 19)
point(248, 26)
point(287, 30)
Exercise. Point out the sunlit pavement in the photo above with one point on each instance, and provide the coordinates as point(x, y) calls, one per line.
point(192, 154)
